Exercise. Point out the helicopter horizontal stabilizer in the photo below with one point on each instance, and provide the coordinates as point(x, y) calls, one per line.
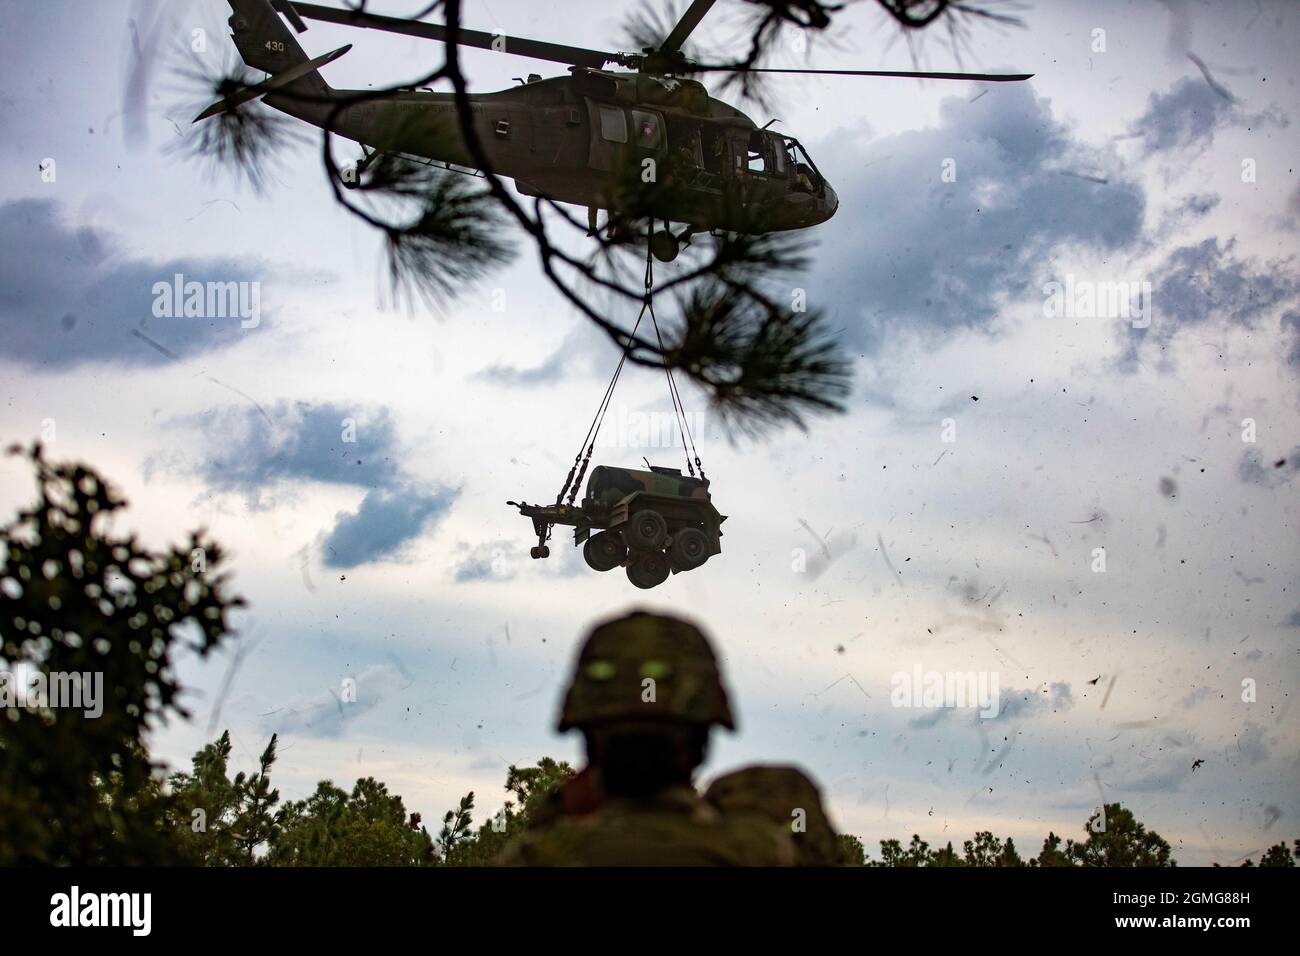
point(270, 85)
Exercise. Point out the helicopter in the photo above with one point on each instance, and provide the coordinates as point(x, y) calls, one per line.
point(570, 139)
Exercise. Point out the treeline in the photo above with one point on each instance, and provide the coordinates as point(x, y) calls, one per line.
point(239, 822)
point(1124, 842)
point(223, 821)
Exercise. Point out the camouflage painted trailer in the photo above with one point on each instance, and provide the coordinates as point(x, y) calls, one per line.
point(653, 523)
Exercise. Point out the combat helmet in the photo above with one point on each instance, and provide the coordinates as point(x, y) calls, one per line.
point(621, 654)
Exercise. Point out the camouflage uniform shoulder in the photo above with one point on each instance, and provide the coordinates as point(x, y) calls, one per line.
point(784, 796)
point(673, 828)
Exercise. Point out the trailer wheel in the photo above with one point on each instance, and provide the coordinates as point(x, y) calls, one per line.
point(603, 552)
point(646, 531)
point(690, 549)
point(649, 570)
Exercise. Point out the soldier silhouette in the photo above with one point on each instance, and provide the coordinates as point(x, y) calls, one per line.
point(645, 693)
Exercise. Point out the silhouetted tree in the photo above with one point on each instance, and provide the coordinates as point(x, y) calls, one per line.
point(455, 826)
point(852, 852)
point(988, 850)
point(533, 789)
point(367, 827)
point(223, 822)
point(76, 598)
point(1123, 841)
point(945, 857)
point(1052, 854)
point(1279, 854)
point(892, 853)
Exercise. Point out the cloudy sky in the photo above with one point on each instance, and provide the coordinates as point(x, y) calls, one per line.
point(950, 520)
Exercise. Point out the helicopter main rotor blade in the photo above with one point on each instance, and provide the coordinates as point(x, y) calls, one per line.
point(536, 49)
point(917, 74)
point(689, 21)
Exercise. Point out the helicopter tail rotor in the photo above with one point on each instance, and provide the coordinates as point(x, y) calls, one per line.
point(279, 81)
point(265, 43)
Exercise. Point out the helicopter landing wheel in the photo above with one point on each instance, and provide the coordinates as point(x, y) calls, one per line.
point(664, 246)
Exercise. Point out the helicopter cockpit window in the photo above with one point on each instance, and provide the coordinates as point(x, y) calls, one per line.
point(806, 177)
point(778, 155)
point(613, 125)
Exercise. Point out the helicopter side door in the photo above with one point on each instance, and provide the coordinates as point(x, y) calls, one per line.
point(557, 140)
